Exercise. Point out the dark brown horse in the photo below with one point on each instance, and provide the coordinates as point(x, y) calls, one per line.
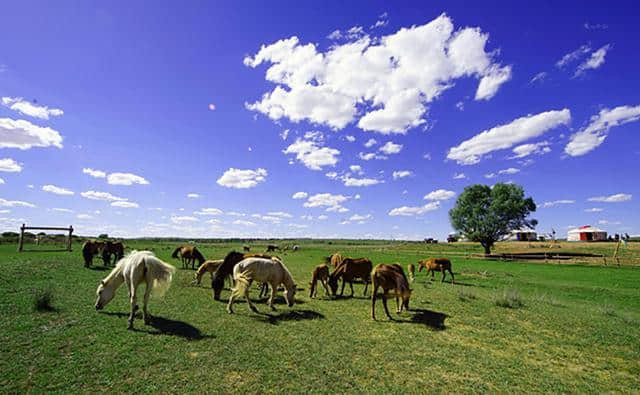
point(188, 254)
point(349, 270)
point(389, 277)
point(91, 248)
point(436, 265)
point(115, 248)
point(320, 273)
point(226, 269)
point(272, 247)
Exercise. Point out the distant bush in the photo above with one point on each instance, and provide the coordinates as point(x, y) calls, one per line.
point(43, 299)
point(103, 236)
point(509, 298)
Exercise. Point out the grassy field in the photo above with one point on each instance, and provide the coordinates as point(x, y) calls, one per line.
point(571, 328)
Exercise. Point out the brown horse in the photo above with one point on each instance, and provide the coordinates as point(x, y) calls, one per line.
point(188, 255)
point(349, 270)
point(226, 269)
point(436, 265)
point(91, 248)
point(246, 248)
point(320, 273)
point(411, 270)
point(272, 247)
point(207, 266)
point(390, 277)
point(334, 259)
point(115, 248)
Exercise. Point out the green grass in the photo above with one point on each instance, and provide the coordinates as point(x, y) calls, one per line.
point(578, 330)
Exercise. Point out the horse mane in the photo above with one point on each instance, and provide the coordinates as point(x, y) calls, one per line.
point(175, 252)
point(287, 274)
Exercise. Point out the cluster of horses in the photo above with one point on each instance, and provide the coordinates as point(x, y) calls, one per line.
point(243, 268)
point(107, 249)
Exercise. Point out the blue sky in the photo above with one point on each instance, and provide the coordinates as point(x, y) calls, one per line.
point(374, 117)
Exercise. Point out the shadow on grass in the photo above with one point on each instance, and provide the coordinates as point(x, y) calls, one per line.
point(100, 268)
point(278, 300)
point(431, 319)
point(292, 315)
point(166, 326)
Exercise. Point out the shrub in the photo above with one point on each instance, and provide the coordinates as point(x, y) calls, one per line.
point(510, 298)
point(43, 299)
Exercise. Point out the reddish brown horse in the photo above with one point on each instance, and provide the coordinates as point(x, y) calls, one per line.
point(436, 265)
point(91, 248)
point(320, 273)
point(226, 269)
point(349, 270)
point(390, 277)
point(188, 254)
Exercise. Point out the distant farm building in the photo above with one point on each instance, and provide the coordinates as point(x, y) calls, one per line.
point(586, 233)
point(522, 235)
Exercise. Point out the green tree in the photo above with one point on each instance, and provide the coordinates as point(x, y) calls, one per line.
point(486, 214)
point(103, 236)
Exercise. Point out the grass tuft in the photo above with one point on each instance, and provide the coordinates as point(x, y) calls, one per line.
point(607, 309)
point(510, 298)
point(466, 295)
point(43, 299)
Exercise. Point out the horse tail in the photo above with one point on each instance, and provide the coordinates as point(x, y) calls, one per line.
point(242, 282)
point(161, 274)
point(175, 252)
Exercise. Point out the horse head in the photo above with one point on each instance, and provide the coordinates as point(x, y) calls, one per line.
point(105, 293)
point(290, 295)
point(333, 284)
point(225, 269)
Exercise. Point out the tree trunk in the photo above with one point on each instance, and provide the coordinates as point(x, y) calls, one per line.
point(487, 249)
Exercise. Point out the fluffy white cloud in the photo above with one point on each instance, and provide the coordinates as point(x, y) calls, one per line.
point(24, 135)
point(395, 77)
point(370, 143)
point(350, 138)
point(95, 195)
point(412, 211)
point(209, 211)
point(236, 178)
point(312, 155)
point(356, 169)
point(532, 148)
point(57, 190)
point(299, 195)
point(511, 170)
point(471, 151)
point(360, 182)
point(459, 176)
point(574, 55)
point(15, 203)
point(440, 194)
point(322, 217)
point(243, 223)
point(193, 195)
point(401, 174)
point(490, 175)
point(125, 179)
point(332, 202)
point(595, 60)
point(10, 165)
point(371, 155)
point(617, 198)
point(30, 109)
point(94, 173)
point(597, 131)
point(391, 148)
point(557, 202)
point(125, 204)
point(181, 219)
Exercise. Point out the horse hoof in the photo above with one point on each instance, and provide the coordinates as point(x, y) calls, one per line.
point(229, 311)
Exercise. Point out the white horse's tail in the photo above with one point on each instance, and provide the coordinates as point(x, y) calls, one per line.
point(161, 274)
point(242, 281)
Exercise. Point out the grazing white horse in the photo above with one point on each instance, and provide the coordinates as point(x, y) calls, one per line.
point(264, 270)
point(136, 267)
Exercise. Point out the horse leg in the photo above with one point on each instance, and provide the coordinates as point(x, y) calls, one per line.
point(452, 278)
point(312, 285)
point(444, 273)
point(373, 301)
point(134, 304)
point(274, 289)
point(246, 296)
point(343, 283)
point(366, 284)
point(398, 311)
point(147, 292)
point(351, 285)
point(230, 304)
point(326, 288)
point(384, 303)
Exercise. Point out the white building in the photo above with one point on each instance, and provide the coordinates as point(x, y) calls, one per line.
point(586, 233)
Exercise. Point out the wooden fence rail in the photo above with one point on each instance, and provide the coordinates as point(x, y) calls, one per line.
point(24, 227)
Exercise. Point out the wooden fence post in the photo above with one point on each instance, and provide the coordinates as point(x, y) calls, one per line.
point(69, 239)
point(21, 238)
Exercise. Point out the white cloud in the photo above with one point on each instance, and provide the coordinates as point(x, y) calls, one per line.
point(314, 135)
point(394, 77)
point(57, 190)
point(94, 173)
point(617, 198)
point(299, 195)
point(471, 151)
point(312, 155)
point(370, 143)
point(209, 211)
point(391, 148)
point(595, 60)
point(125, 204)
point(356, 169)
point(332, 175)
point(359, 218)
point(460, 105)
point(490, 175)
point(24, 135)
point(335, 35)
point(236, 178)
point(412, 211)
point(538, 77)
point(459, 176)
point(84, 216)
point(193, 195)
point(371, 155)
point(95, 195)
point(322, 217)
point(235, 214)
point(402, 174)
point(533, 148)
point(284, 134)
point(181, 219)
point(332, 202)
point(511, 170)
point(350, 138)
point(574, 55)
point(62, 210)
point(10, 165)
point(427, 156)
point(597, 131)
point(30, 109)
point(595, 26)
point(2, 181)
point(440, 194)
point(607, 222)
point(280, 214)
point(557, 202)
point(243, 222)
point(125, 179)
point(15, 203)
point(360, 182)
point(593, 210)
